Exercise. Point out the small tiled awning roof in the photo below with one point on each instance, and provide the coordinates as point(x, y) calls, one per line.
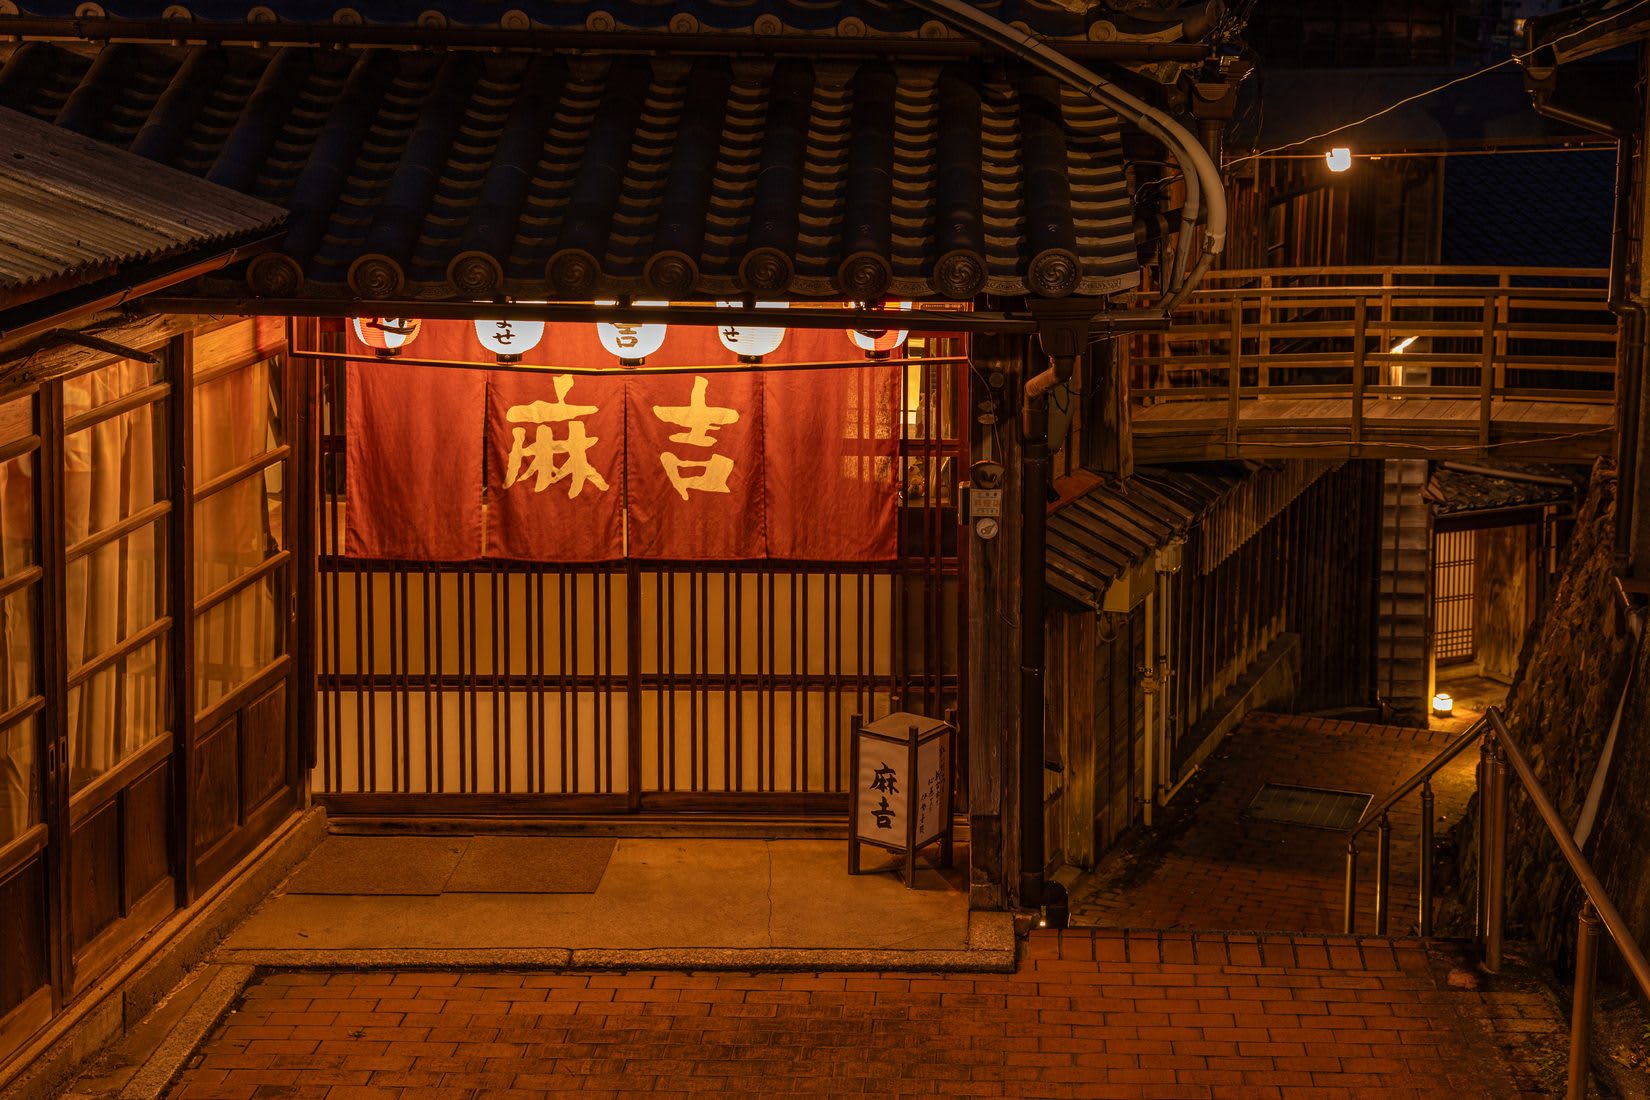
point(469, 174)
point(1098, 536)
point(75, 210)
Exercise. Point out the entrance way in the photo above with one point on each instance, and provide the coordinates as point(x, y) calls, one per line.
point(507, 687)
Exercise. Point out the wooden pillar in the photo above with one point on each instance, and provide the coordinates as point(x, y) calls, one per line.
point(1108, 442)
point(994, 641)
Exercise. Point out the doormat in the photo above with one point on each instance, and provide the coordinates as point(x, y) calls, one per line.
point(379, 865)
point(532, 865)
point(1313, 807)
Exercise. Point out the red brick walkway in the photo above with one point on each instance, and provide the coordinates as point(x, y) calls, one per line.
point(1220, 868)
point(1091, 1014)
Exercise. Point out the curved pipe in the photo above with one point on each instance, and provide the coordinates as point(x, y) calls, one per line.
point(1203, 183)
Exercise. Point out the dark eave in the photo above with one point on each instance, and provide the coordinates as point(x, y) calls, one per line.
point(446, 175)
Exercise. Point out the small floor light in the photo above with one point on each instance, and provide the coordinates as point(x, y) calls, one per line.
point(1339, 158)
point(1443, 704)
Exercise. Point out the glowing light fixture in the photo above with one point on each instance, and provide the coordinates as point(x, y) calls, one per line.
point(1443, 705)
point(386, 335)
point(879, 343)
point(747, 342)
point(630, 341)
point(1398, 348)
point(1339, 158)
point(509, 340)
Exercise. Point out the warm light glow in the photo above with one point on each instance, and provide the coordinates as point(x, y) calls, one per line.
point(509, 340)
point(386, 335)
point(1398, 348)
point(1443, 705)
point(748, 342)
point(1339, 158)
point(631, 342)
point(879, 343)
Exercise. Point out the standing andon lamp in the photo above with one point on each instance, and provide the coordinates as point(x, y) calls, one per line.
point(901, 768)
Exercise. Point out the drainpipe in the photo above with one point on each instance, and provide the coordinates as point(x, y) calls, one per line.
point(1632, 354)
point(1205, 192)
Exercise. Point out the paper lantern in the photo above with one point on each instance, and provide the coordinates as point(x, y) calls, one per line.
point(509, 340)
point(386, 335)
point(631, 341)
point(746, 341)
point(879, 343)
point(1339, 158)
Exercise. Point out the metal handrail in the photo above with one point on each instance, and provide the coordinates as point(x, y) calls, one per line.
point(1583, 870)
point(1498, 751)
point(1426, 772)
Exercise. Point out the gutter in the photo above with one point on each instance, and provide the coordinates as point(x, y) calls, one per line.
point(61, 309)
point(547, 39)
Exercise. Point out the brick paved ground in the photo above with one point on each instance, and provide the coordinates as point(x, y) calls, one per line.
point(1096, 1014)
point(1213, 867)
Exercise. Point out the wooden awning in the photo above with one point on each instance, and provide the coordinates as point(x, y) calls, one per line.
point(471, 175)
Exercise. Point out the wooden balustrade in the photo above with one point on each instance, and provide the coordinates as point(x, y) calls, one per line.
point(1380, 361)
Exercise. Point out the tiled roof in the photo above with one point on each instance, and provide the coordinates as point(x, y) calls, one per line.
point(1156, 19)
point(1459, 492)
point(1097, 537)
point(472, 174)
point(75, 210)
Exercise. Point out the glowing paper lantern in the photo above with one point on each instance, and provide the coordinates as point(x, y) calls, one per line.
point(1339, 158)
point(386, 335)
point(509, 340)
point(630, 341)
point(879, 343)
point(747, 342)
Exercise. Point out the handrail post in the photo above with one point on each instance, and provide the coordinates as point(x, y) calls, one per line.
point(1425, 884)
point(1360, 331)
point(1234, 375)
point(1495, 884)
point(1482, 922)
point(1383, 874)
point(1486, 371)
point(1581, 1007)
point(1350, 921)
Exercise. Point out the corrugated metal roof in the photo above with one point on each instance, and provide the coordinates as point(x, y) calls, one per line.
point(470, 174)
point(75, 209)
point(1095, 538)
point(849, 18)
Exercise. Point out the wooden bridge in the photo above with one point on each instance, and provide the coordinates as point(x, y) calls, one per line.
point(1380, 362)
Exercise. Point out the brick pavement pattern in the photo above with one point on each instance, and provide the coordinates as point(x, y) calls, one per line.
point(1087, 1014)
point(1221, 869)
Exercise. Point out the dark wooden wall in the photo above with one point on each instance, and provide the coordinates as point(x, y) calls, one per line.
point(193, 758)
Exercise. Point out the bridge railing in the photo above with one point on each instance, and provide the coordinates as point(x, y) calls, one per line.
point(1369, 334)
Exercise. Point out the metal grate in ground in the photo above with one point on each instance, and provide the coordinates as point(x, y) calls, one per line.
point(1310, 806)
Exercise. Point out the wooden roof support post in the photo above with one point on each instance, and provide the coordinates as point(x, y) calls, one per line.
point(998, 372)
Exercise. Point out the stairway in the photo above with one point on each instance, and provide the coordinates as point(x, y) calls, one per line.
point(1404, 620)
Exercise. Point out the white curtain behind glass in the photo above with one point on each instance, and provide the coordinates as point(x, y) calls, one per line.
point(109, 473)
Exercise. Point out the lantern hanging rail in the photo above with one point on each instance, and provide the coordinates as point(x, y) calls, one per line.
point(529, 368)
point(1498, 753)
point(800, 315)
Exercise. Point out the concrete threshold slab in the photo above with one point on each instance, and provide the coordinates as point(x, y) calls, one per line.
point(990, 948)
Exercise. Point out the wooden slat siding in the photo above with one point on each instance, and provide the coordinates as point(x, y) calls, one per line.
point(645, 682)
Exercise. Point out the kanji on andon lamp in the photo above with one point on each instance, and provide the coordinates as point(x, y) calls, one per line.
point(694, 458)
point(555, 467)
point(413, 462)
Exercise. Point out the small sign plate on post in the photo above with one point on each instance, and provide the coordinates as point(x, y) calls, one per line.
point(902, 773)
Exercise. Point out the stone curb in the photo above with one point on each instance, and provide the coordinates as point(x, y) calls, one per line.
point(174, 1052)
point(991, 948)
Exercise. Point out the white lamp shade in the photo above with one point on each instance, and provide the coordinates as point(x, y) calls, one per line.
point(509, 339)
point(1339, 158)
point(630, 341)
point(746, 341)
point(879, 342)
point(386, 333)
